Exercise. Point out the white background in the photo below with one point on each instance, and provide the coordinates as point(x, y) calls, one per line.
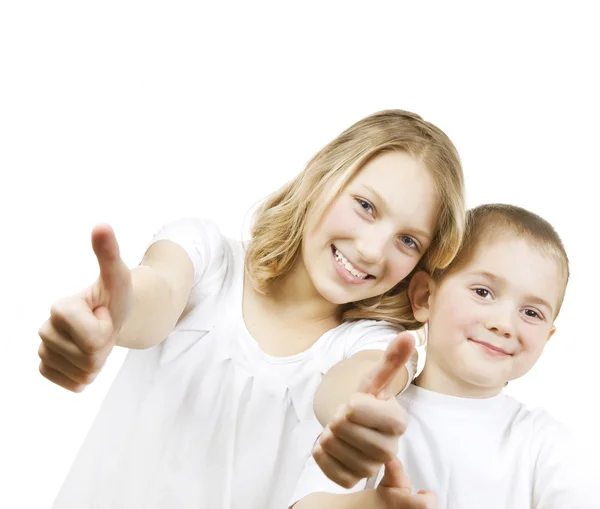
point(136, 112)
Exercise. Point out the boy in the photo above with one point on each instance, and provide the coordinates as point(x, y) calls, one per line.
point(489, 316)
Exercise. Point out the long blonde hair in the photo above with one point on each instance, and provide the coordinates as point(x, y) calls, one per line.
point(277, 230)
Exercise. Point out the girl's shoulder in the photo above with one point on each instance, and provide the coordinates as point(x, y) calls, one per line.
point(216, 258)
point(355, 336)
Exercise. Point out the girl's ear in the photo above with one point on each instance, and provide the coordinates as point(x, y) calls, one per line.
point(419, 291)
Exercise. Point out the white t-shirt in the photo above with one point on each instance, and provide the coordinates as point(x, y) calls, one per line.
point(206, 418)
point(480, 454)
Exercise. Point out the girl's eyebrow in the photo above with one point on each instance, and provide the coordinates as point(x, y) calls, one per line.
point(379, 198)
point(386, 209)
point(500, 280)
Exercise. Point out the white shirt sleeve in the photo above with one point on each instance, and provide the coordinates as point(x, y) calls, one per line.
point(201, 239)
point(560, 477)
point(313, 480)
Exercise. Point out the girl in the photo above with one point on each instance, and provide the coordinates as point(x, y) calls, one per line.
point(220, 414)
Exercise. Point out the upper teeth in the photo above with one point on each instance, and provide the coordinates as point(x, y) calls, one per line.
point(348, 266)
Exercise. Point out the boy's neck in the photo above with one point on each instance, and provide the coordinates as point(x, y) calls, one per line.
point(436, 379)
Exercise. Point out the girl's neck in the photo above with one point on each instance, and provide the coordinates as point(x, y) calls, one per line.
point(435, 378)
point(296, 295)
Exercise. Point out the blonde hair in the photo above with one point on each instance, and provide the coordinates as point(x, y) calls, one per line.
point(486, 222)
point(278, 227)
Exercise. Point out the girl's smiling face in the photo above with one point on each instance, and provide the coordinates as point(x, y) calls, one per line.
point(374, 232)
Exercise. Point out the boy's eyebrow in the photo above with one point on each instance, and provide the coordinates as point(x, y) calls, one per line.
point(538, 300)
point(386, 208)
point(497, 279)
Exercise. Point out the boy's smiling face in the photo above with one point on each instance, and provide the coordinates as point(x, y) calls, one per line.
point(489, 320)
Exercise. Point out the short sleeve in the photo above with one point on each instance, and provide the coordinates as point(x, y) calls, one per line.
point(201, 239)
point(313, 480)
point(561, 472)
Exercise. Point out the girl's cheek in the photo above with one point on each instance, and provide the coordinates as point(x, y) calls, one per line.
point(339, 220)
point(401, 267)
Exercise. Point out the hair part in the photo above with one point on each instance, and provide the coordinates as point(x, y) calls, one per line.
point(279, 223)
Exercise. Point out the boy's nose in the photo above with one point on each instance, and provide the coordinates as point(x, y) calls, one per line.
point(500, 325)
point(501, 331)
point(500, 321)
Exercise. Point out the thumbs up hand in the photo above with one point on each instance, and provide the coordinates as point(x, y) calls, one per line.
point(82, 329)
point(364, 433)
point(396, 491)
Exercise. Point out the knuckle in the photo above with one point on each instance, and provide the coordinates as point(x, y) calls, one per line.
point(60, 310)
point(87, 378)
point(318, 454)
point(88, 344)
point(355, 401)
point(42, 352)
point(337, 425)
point(348, 481)
point(384, 454)
point(43, 369)
point(398, 427)
point(44, 330)
point(370, 470)
point(92, 363)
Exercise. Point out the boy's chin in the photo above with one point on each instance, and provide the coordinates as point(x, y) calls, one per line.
point(483, 383)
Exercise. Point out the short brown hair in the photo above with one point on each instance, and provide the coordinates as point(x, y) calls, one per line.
point(488, 221)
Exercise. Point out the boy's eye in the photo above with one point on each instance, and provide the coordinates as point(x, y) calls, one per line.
point(483, 292)
point(365, 205)
point(532, 313)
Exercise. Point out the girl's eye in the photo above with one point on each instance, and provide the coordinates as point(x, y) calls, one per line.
point(532, 313)
point(409, 242)
point(366, 206)
point(484, 293)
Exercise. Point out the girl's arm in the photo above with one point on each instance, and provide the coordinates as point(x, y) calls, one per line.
point(161, 287)
point(365, 418)
point(345, 378)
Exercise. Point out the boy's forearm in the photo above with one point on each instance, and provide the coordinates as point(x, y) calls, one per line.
point(343, 380)
point(360, 500)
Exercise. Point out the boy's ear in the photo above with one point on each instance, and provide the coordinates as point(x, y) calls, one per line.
point(552, 331)
point(419, 291)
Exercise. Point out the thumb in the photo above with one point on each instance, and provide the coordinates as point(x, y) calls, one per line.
point(114, 284)
point(396, 356)
point(114, 274)
point(428, 499)
point(395, 477)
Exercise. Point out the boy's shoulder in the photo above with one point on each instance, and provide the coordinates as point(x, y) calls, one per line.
point(539, 419)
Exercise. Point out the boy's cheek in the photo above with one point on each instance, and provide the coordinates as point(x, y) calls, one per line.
point(457, 314)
